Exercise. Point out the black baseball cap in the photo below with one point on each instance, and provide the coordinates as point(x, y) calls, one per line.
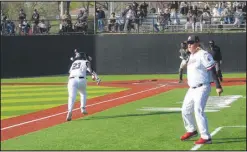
point(193, 39)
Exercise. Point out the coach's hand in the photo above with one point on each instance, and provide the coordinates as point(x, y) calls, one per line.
point(219, 91)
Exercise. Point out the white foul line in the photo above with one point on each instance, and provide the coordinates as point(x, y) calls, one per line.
point(27, 122)
point(196, 147)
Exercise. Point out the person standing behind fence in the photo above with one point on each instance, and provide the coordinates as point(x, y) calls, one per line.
point(130, 16)
point(216, 53)
point(100, 17)
point(35, 19)
point(112, 23)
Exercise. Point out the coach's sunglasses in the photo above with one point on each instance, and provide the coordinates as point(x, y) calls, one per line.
point(190, 42)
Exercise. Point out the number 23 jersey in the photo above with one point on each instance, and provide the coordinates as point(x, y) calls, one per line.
point(78, 68)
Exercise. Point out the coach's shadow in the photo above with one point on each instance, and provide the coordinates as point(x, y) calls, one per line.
point(228, 140)
point(128, 115)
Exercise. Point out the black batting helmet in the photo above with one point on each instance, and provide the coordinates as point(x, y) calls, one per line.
point(82, 55)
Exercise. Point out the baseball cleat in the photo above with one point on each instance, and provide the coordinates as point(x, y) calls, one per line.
point(180, 81)
point(203, 141)
point(69, 116)
point(84, 111)
point(189, 135)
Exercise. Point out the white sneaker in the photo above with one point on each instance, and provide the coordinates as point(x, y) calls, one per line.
point(84, 111)
point(69, 116)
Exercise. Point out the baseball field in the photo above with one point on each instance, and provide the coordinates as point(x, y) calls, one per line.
point(125, 112)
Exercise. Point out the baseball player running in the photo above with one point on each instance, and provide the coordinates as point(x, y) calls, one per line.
point(200, 71)
point(77, 81)
point(215, 52)
point(184, 55)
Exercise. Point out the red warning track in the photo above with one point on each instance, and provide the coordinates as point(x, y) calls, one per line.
point(20, 125)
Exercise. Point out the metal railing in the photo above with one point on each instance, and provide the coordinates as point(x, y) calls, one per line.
point(144, 25)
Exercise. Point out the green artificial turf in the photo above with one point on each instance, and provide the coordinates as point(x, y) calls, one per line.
point(127, 128)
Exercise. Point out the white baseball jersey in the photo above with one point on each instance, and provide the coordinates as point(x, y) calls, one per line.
point(198, 68)
point(79, 68)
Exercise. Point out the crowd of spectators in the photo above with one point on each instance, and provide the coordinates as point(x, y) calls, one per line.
point(221, 13)
point(34, 25)
point(187, 14)
point(38, 25)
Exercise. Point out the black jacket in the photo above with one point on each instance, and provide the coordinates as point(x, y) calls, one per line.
point(215, 52)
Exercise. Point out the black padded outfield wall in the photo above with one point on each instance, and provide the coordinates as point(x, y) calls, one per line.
point(27, 56)
point(154, 54)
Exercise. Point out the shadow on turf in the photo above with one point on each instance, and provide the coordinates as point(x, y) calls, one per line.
point(228, 140)
point(129, 115)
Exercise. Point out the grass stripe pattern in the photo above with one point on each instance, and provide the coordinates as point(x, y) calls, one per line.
point(22, 99)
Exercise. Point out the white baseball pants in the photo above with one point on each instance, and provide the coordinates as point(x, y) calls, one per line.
point(195, 102)
point(75, 84)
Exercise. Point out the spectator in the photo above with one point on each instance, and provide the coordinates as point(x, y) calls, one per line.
point(112, 22)
point(189, 20)
point(194, 10)
point(134, 7)
point(100, 17)
point(22, 16)
point(162, 20)
point(238, 15)
point(226, 16)
point(144, 9)
point(130, 16)
point(81, 25)
point(80, 15)
point(215, 14)
point(220, 9)
point(25, 27)
point(66, 23)
point(205, 19)
point(174, 13)
point(206, 9)
point(66, 17)
point(35, 19)
point(42, 26)
point(184, 8)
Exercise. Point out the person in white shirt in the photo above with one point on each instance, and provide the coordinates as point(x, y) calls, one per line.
point(200, 74)
point(77, 81)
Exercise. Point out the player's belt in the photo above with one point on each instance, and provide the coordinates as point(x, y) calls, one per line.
point(199, 85)
point(74, 77)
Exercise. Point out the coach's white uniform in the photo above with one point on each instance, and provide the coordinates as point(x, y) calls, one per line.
point(199, 79)
point(77, 81)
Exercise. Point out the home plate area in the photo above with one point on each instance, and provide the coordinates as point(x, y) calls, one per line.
point(214, 104)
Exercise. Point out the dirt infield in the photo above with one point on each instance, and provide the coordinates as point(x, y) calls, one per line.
point(138, 89)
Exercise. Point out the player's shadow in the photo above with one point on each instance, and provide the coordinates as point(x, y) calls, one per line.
point(129, 115)
point(228, 140)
